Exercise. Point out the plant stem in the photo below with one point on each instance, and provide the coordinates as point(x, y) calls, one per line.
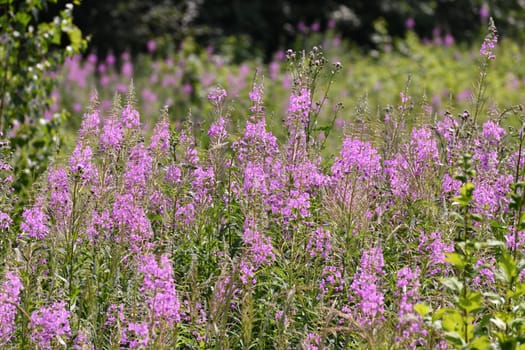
point(3, 92)
point(481, 91)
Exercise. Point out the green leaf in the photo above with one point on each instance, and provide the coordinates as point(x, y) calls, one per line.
point(455, 339)
point(480, 343)
point(461, 178)
point(460, 201)
point(456, 260)
point(495, 243)
point(23, 18)
point(519, 289)
point(516, 324)
point(422, 309)
point(75, 37)
point(453, 284)
point(498, 322)
point(494, 299)
point(467, 191)
point(508, 344)
point(521, 223)
point(521, 339)
point(472, 302)
point(451, 320)
point(438, 314)
point(476, 217)
point(508, 267)
point(56, 37)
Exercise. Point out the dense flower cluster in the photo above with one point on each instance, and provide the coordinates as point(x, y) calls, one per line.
point(9, 299)
point(213, 238)
point(80, 163)
point(217, 96)
point(5, 220)
point(112, 134)
point(148, 201)
point(159, 288)
point(366, 289)
point(489, 44)
point(50, 326)
point(313, 342)
point(136, 335)
point(412, 164)
point(319, 243)
point(259, 251)
point(410, 323)
point(434, 250)
point(35, 224)
point(299, 109)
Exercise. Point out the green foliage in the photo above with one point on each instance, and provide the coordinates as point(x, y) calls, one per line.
point(481, 319)
point(31, 51)
point(7, 199)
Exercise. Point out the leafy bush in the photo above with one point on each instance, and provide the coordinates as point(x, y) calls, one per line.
point(30, 54)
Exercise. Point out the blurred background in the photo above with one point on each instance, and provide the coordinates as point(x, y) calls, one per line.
point(176, 52)
point(261, 27)
point(183, 44)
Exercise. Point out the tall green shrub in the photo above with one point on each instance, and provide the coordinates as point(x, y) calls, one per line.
point(31, 50)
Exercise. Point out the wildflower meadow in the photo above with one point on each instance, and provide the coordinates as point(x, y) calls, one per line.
point(267, 219)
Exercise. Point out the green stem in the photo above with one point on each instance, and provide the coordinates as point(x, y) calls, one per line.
point(332, 122)
point(71, 244)
point(479, 103)
point(519, 210)
point(3, 93)
point(228, 208)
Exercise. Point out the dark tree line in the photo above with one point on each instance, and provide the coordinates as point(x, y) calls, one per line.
point(267, 25)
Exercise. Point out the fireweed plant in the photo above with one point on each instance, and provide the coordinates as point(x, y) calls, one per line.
point(182, 78)
point(239, 238)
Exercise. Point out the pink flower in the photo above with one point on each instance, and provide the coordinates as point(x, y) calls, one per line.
point(484, 11)
point(410, 23)
point(48, 324)
point(35, 223)
point(159, 288)
point(9, 299)
point(489, 44)
point(449, 40)
point(217, 96)
point(151, 45)
point(5, 221)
